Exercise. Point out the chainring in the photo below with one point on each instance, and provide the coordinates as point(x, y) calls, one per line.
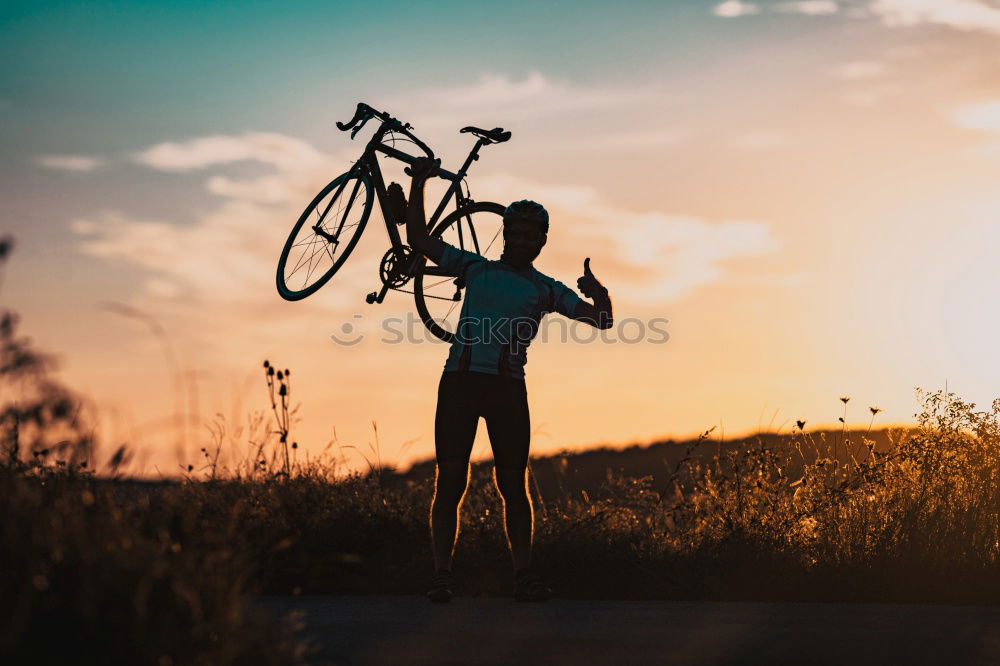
point(390, 269)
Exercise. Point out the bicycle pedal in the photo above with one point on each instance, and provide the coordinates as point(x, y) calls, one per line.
point(371, 298)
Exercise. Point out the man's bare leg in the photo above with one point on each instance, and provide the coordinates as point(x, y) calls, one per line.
point(518, 514)
point(450, 484)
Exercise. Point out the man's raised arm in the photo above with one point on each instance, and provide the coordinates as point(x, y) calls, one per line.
point(416, 222)
point(599, 313)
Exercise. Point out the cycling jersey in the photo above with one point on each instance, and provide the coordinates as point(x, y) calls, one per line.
point(501, 312)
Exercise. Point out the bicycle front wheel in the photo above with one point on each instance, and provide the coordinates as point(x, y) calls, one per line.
point(324, 235)
point(477, 228)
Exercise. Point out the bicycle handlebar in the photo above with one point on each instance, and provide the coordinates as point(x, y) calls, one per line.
point(364, 113)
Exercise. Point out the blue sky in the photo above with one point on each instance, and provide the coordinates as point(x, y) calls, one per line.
point(176, 68)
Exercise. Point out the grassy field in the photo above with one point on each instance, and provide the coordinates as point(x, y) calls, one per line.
point(145, 572)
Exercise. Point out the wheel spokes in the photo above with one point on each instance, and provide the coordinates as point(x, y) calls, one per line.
point(315, 251)
point(467, 232)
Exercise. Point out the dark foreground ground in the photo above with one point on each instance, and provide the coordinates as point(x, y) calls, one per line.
point(408, 630)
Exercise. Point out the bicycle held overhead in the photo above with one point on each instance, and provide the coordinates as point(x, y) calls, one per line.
point(331, 225)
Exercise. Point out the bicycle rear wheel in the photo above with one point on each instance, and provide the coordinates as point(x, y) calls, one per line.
point(477, 228)
point(324, 235)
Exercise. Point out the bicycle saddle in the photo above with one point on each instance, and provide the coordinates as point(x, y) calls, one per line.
point(495, 135)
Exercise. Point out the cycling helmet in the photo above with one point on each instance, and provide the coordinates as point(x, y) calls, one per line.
point(526, 209)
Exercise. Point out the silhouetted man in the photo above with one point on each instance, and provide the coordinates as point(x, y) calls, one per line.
point(484, 373)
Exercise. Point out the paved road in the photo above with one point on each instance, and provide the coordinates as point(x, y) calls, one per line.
point(408, 630)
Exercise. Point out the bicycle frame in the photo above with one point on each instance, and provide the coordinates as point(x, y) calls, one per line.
point(369, 163)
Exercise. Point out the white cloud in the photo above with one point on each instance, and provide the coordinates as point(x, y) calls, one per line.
point(268, 189)
point(492, 90)
point(531, 100)
point(810, 7)
point(279, 150)
point(872, 94)
point(735, 9)
point(545, 115)
point(80, 163)
point(984, 116)
point(861, 69)
point(227, 256)
point(972, 15)
point(654, 256)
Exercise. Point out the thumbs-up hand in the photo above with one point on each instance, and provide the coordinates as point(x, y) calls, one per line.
point(588, 284)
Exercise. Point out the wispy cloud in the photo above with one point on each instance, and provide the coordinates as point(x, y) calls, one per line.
point(224, 257)
point(279, 150)
point(545, 114)
point(860, 69)
point(80, 163)
point(972, 15)
point(984, 119)
point(984, 116)
point(870, 95)
point(536, 97)
point(735, 9)
point(653, 256)
point(229, 254)
point(809, 7)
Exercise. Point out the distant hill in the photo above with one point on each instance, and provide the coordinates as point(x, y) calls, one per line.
point(586, 471)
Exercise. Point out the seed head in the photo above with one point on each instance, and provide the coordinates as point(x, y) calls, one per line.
point(844, 399)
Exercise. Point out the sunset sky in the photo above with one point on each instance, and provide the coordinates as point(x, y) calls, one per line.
point(808, 191)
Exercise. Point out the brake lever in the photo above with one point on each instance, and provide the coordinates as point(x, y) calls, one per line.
point(364, 120)
point(358, 111)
